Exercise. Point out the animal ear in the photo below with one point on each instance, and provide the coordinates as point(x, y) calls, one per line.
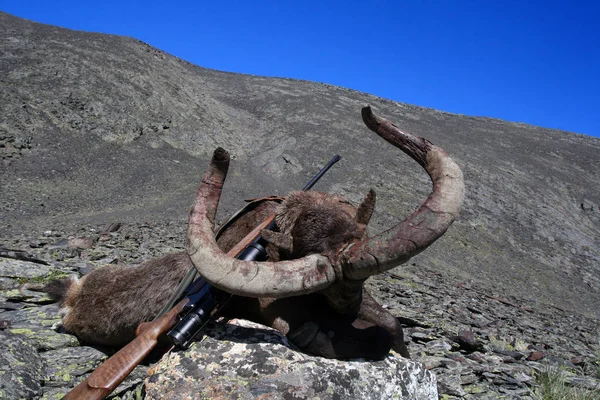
point(366, 208)
point(282, 241)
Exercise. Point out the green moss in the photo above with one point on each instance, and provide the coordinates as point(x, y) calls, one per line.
point(411, 284)
point(22, 331)
point(520, 346)
point(473, 389)
point(49, 277)
point(12, 293)
point(500, 344)
point(54, 396)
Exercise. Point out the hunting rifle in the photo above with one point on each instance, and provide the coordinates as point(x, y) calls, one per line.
point(200, 303)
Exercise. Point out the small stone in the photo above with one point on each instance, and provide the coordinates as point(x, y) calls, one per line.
point(421, 337)
point(536, 355)
point(115, 226)
point(22, 294)
point(466, 340)
point(517, 393)
point(451, 364)
point(18, 269)
point(11, 306)
point(521, 377)
point(406, 321)
point(579, 361)
point(512, 354)
point(80, 243)
point(587, 205)
point(479, 389)
point(36, 244)
point(477, 356)
point(587, 382)
point(450, 384)
point(467, 378)
point(438, 346)
point(432, 362)
point(457, 357)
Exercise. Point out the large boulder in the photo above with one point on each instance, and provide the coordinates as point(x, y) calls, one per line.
point(244, 360)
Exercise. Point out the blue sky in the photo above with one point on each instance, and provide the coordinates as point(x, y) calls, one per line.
point(536, 62)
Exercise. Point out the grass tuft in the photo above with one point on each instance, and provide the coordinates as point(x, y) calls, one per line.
point(551, 384)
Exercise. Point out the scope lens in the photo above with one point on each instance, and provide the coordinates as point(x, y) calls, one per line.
point(183, 333)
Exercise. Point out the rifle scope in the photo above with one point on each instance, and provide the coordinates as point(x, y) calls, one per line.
point(203, 298)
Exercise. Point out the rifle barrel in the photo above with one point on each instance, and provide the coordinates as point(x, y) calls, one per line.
point(248, 250)
point(319, 174)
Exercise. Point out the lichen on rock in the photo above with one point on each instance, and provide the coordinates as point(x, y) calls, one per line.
point(230, 363)
point(21, 368)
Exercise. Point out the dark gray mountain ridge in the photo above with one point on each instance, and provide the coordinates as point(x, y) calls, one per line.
point(97, 128)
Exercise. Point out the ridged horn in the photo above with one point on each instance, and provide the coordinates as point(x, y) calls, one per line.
point(411, 236)
point(245, 278)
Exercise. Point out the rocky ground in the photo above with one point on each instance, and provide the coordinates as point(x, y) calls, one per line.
point(479, 343)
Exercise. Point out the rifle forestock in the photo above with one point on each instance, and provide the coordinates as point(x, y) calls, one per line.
point(113, 371)
point(251, 237)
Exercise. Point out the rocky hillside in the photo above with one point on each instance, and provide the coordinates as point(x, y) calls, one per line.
point(480, 344)
point(98, 129)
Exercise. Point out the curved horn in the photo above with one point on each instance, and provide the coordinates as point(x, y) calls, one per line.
point(245, 278)
point(411, 236)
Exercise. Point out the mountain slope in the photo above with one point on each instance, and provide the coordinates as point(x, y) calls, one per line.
point(99, 128)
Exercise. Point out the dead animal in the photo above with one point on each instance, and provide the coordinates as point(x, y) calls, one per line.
point(311, 290)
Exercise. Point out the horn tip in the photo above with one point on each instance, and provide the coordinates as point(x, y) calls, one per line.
point(369, 118)
point(366, 110)
point(220, 156)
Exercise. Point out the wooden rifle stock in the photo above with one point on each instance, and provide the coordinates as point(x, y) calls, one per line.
point(241, 246)
point(113, 371)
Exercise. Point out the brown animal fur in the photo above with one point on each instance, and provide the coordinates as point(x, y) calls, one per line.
point(317, 223)
point(105, 306)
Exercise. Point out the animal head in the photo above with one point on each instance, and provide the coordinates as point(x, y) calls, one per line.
point(348, 256)
point(318, 223)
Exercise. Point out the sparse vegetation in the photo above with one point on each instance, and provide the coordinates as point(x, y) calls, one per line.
point(553, 384)
point(52, 275)
point(593, 368)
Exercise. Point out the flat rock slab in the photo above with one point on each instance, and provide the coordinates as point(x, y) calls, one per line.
point(21, 368)
point(10, 268)
point(244, 360)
